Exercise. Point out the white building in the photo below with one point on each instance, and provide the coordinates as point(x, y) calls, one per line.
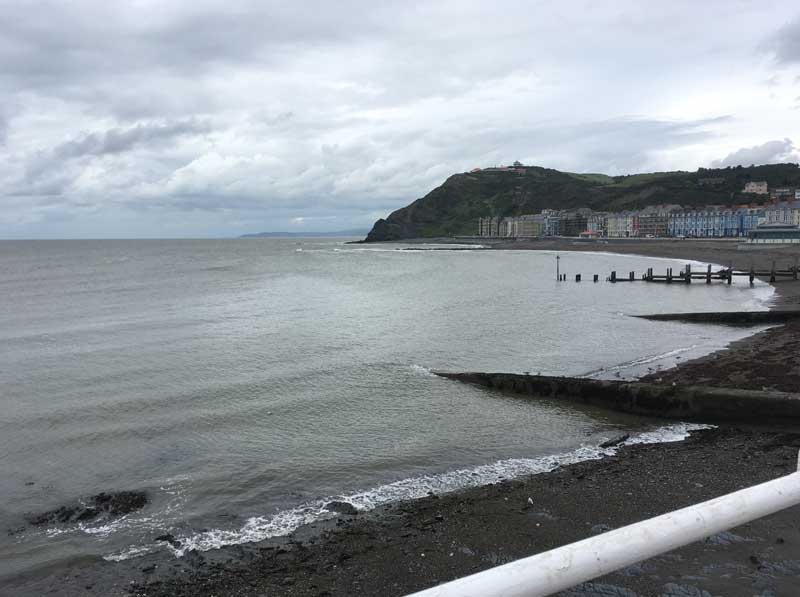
point(757, 187)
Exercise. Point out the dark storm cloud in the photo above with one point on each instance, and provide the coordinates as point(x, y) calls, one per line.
point(771, 152)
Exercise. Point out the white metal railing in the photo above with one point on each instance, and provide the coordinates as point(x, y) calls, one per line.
point(564, 567)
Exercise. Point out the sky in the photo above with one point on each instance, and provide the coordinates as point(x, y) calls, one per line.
point(148, 119)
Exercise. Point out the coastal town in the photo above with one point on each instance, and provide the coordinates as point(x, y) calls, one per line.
point(772, 217)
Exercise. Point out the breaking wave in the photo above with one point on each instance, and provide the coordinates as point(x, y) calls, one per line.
point(286, 521)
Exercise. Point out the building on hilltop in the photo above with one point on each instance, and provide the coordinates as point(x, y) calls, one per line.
point(756, 187)
point(782, 194)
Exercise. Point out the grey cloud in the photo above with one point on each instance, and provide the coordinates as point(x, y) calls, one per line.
point(210, 108)
point(786, 43)
point(52, 172)
point(767, 153)
point(118, 140)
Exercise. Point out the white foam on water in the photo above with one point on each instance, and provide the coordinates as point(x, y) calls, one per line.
point(762, 298)
point(286, 521)
point(168, 514)
point(422, 370)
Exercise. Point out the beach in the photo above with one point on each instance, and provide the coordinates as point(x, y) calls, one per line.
point(414, 544)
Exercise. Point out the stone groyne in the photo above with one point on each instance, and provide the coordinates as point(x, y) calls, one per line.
point(737, 318)
point(686, 403)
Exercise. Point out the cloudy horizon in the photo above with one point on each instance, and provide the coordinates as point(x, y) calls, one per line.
point(196, 119)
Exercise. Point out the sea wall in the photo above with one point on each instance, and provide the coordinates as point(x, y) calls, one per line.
point(687, 403)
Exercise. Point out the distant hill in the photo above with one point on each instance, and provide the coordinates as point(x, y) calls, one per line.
point(353, 232)
point(453, 208)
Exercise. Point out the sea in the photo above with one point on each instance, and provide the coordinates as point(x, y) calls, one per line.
point(246, 383)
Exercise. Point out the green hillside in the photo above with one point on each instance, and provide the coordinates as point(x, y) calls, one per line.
point(453, 208)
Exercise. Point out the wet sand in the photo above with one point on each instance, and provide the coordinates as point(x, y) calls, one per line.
point(417, 544)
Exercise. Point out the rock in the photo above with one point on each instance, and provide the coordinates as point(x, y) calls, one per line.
point(615, 441)
point(106, 505)
point(342, 508)
point(169, 538)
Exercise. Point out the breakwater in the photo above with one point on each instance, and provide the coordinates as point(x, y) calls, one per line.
point(688, 403)
point(738, 318)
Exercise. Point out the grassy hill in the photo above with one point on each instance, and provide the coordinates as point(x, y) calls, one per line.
point(453, 208)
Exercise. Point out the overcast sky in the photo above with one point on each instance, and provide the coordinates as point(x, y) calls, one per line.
point(172, 119)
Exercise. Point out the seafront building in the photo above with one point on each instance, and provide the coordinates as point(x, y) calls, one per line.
point(775, 233)
point(624, 224)
point(713, 221)
point(655, 221)
point(785, 212)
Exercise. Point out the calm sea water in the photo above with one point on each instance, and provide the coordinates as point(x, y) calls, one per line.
point(243, 383)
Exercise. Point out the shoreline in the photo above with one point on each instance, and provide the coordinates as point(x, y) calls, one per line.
point(411, 545)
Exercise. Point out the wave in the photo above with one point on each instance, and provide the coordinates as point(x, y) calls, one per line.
point(422, 370)
point(285, 522)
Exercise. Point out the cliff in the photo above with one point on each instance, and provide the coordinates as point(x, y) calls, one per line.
point(453, 208)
